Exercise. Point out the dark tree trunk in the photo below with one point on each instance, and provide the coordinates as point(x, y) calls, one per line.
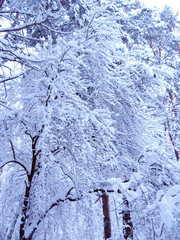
point(107, 221)
point(127, 222)
point(24, 213)
point(26, 206)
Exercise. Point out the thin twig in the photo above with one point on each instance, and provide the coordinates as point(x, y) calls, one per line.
point(22, 26)
point(12, 147)
point(11, 78)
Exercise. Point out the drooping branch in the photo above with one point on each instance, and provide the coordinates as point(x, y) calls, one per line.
point(105, 199)
point(16, 162)
point(5, 106)
point(66, 174)
point(10, 78)
point(21, 57)
point(107, 227)
point(67, 198)
point(14, 154)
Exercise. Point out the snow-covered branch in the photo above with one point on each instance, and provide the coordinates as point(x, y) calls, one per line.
point(21, 27)
point(11, 78)
point(16, 162)
point(56, 203)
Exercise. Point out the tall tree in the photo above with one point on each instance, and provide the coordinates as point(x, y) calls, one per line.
point(88, 126)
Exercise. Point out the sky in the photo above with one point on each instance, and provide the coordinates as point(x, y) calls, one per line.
point(174, 4)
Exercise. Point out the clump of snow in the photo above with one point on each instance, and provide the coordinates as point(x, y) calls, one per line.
point(135, 177)
point(166, 213)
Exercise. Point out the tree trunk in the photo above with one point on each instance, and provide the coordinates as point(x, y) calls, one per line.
point(127, 222)
point(107, 221)
point(26, 206)
point(24, 213)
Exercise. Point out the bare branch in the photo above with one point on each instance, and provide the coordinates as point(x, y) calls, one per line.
point(21, 57)
point(5, 90)
point(38, 152)
point(105, 190)
point(12, 147)
point(52, 206)
point(11, 78)
point(1, 3)
point(87, 33)
point(66, 174)
point(54, 30)
point(69, 191)
point(64, 54)
point(26, 132)
point(14, 24)
point(16, 162)
point(67, 198)
point(28, 38)
point(5, 106)
point(15, 11)
point(11, 29)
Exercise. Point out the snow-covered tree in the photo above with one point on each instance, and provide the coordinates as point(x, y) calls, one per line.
point(89, 121)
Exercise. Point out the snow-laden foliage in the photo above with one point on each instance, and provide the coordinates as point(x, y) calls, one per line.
point(89, 105)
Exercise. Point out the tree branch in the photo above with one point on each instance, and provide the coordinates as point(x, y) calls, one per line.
point(15, 11)
point(27, 38)
point(5, 106)
point(12, 147)
point(1, 3)
point(52, 206)
point(11, 78)
point(22, 26)
point(105, 190)
point(67, 198)
point(87, 33)
point(20, 164)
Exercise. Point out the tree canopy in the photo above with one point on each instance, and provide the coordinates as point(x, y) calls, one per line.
point(89, 112)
